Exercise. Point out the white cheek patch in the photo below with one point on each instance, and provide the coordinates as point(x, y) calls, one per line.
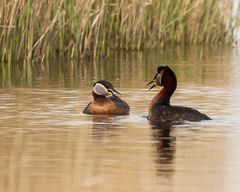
point(99, 89)
point(159, 79)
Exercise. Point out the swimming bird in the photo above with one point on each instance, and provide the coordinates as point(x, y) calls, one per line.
point(106, 101)
point(160, 109)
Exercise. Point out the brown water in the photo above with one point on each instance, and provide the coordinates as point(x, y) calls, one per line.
point(47, 144)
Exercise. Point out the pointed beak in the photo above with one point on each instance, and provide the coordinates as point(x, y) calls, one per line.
point(154, 82)
point(113, 92)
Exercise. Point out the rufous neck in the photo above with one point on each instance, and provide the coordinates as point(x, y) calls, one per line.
point(97, 97)
point(163, 96)
point(168, 89)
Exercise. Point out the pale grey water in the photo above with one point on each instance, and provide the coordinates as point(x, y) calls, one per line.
point(47, 144)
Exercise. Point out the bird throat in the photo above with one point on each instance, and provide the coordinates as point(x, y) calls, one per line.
point(163, 97)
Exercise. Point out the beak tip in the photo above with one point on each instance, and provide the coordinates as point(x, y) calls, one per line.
point(154, 84)
point(114, 90)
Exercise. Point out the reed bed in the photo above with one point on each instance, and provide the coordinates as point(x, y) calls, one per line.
point(33, 30)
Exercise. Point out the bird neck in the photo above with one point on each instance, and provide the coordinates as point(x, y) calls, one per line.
point(98, 97)
point(163, 96)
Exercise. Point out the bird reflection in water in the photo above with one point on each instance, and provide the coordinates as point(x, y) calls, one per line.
point(103, 125)
point(165, 147)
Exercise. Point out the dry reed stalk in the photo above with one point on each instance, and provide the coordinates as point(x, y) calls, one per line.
point(36, 30)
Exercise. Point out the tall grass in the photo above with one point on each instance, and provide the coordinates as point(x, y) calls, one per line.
point(36, 30)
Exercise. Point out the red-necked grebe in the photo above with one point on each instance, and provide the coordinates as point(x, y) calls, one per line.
point(160, 109)
point(105, 100)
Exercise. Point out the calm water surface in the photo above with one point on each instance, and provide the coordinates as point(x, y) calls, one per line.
point(47, 144)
